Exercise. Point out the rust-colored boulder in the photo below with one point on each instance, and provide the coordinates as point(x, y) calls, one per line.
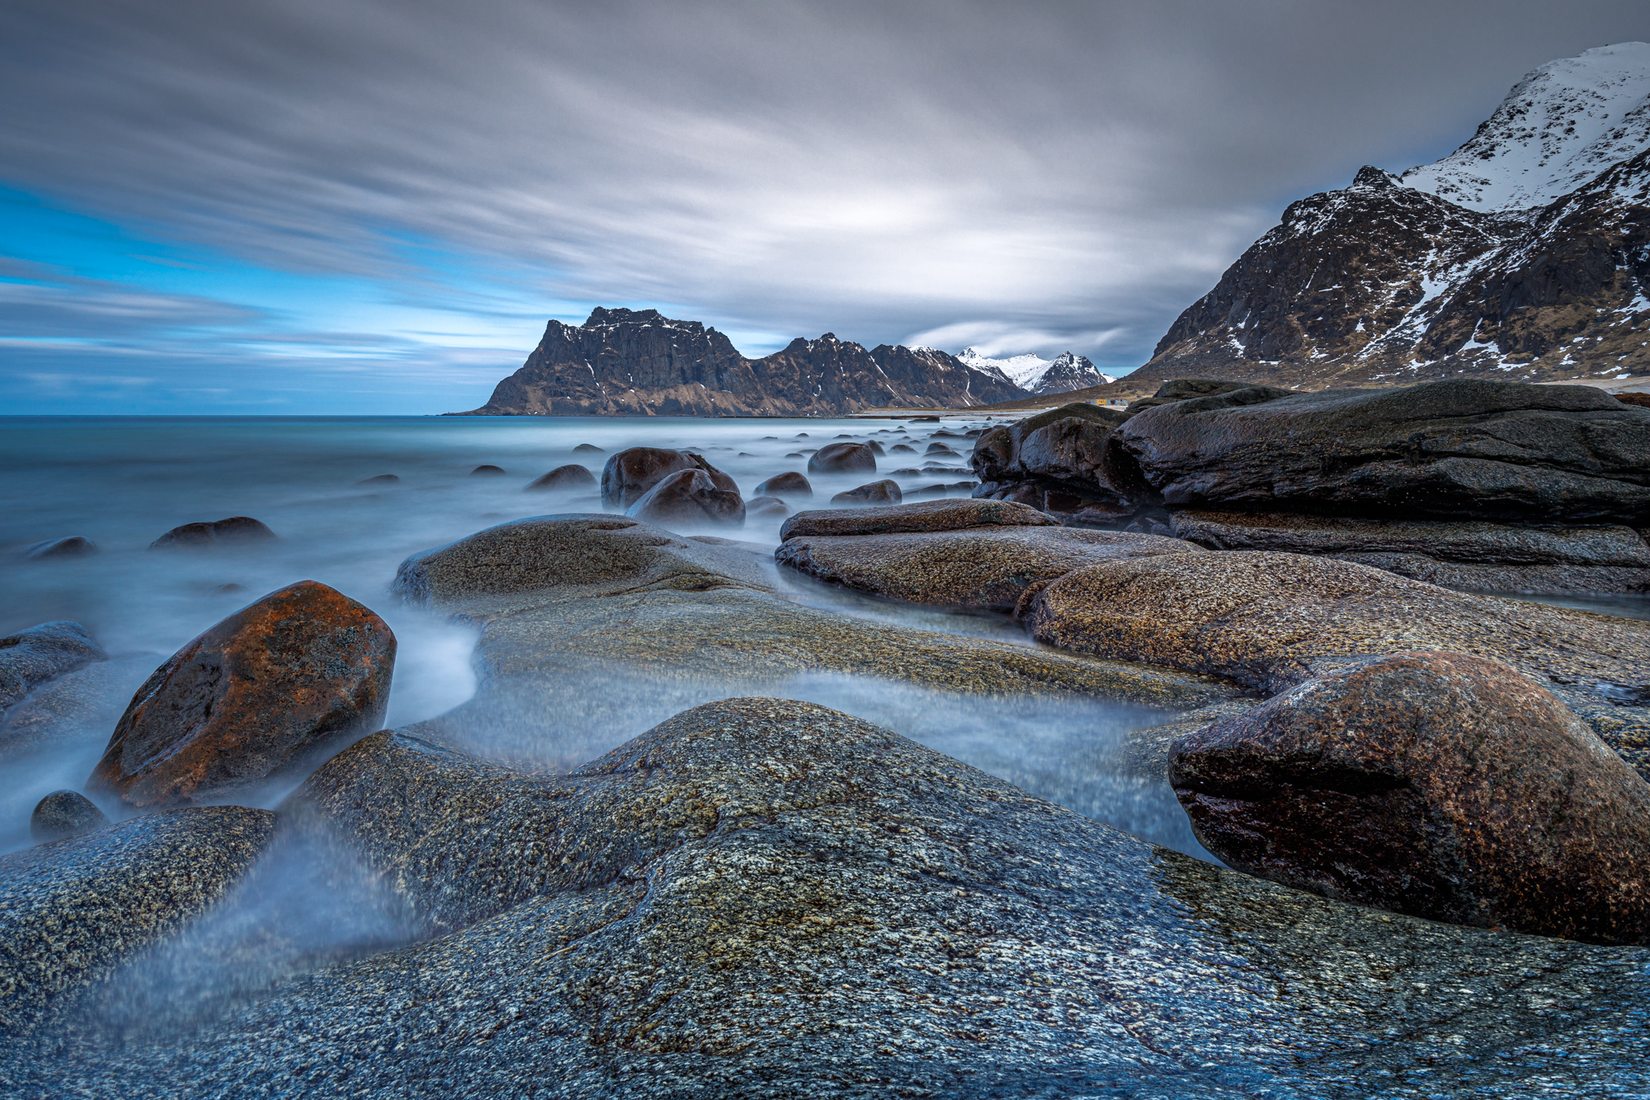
point(1434, 783)
point(630, 473)
point(278, 683)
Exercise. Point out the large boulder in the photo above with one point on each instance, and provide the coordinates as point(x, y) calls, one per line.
point(630, 473)
point(1455, 449)
point(769, 898)
point(71, 910)
point(41, 653)
point(1059, 461)
point(1268, 621)
point(205, 534)
point(842, 458)
point(1430, 783)
point(688, 497)
point(787, 486)
point(270, 688)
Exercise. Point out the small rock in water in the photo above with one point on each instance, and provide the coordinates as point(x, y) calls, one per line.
point(902, 449)
point(877, 492)
point(1436, 784)
point(235, 530)
point(72, 546)
point(298, 672)
point(689, 496)
point(790, 484)
point(588, 449)
point(766, 507)
point(379, 479)
point(64, 814)
point(940, 449)
point(842, 458)
point(487, 469)
point(570, 476)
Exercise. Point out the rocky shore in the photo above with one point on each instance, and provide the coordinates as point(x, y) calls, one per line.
point(645, 859)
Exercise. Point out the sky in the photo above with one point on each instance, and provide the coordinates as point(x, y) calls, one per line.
point(373, 206)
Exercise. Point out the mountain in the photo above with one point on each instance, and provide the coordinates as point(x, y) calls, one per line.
point(1524, 254)
point(623, 362)
point(1036, 375)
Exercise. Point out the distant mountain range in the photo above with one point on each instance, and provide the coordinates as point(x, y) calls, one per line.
point(1524, 254)
point(1036, 375)
point(624, 362)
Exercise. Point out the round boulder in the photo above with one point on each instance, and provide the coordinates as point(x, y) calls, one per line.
point(570, 476)
point(842, 458)
point(1436, 784)
point(279, 682)
point(632, 472)
point(72, 546)
point(235, 530)
point(790, 485)
point(766, 508)
point(487, 469)
point(64, 814)
point(688, 496)
point(877, 492)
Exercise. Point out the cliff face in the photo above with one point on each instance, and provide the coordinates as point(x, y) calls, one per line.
point(1523, 255)
point(624, 362)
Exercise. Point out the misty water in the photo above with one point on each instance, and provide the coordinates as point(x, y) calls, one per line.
point(122, 482)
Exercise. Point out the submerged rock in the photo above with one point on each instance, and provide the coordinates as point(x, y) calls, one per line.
point(71, 910)
point(688, 497)
point(41, 653)
point(570, 476)
point(1430, 783)
point(876, 492)
point(380, 479)
point(842, 458)
point(234, 531)
point(64, 814)
point(766, 508)
point(787, 486)
point(630, 473)
point(297, 673)
point(487, 469)
point(70, 546)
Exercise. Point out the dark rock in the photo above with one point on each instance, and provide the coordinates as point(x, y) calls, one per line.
point(70, 546)
point(234, 531)
point(876, 448)
point(842, 458)
point(1435, 784)
point(689, 496)
point(939, 449)
point(1060, 461)
point(1636, 398)
point(34, 656)
point(789, 485)
point(950, 515)
point(380, 479)
point(570, 476)
point(902, 449)
point(630, 473)
point(63, 814)
point(876, 492)
point(1269, 621)
point(766, 508)
point(487, 469)
point(291, 676)
point(71, 910)
point(588, 449)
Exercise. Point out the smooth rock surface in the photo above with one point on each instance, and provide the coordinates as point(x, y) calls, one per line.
point(63, 814)
point(630, 473)
point(787, 486)
point(688, 497)
point(886, 491)
point(35, 656)
point(842, 458)
point(570, 476)
point(233, 531)
point(945, 515)
point(299, 672)
point(1435, 784)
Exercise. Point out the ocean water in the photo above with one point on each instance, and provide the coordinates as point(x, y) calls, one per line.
point(122, 482)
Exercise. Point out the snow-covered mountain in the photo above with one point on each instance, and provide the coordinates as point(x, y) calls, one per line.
point(1036, 375)
point(1523, 254)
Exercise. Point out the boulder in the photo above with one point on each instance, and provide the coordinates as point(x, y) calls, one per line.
point(876, 492)
point(487, 469)
point(766, 508)
point(267, 690)
point(1436, 784)
point(630, 473)
point(690, 497)
point(73, 909)
point(234, 531)
point(787, 486)
point(570, 476)
point(939, 449)
point(70, 546)
point(842, 458)
point(380, 479)
point(982, 568)
point(902, 449)
point(1060, 461)
point(588, 449)
point(1454, 449)
point(1269, 621)
point(64, 814)
point(1470, 554)
point(946, 515)
point(41, 653)
point(1637, 398)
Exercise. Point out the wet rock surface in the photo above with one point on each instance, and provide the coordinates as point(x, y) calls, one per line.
point(233, 531)
point(787, 486)
point(1435, 784)
point(39, 654)
point(570, 476)
point(63, 814)
point(688, 497)
point(630, 473)
point(72, 909)
point(842, 458)
point(299, 672)
point(768, 898)
point(885, 491)
point(949, 515)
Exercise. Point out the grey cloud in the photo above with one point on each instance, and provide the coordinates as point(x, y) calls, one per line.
point(1064, 172)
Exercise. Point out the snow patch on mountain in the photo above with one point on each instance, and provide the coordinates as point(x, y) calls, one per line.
point(1557, 129)
point(1037, 375)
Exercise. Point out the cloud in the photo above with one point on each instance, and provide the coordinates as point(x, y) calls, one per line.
point(1069, 173)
